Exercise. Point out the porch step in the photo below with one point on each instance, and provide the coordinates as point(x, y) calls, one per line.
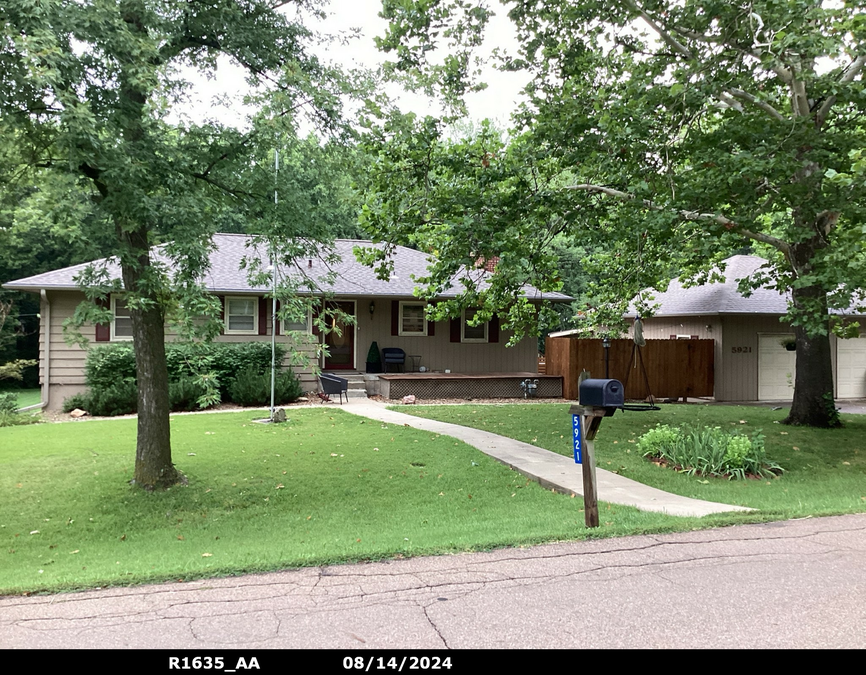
point(357, 386)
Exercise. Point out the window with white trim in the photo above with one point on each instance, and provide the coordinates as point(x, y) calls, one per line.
point(472, 333)
point(242, 315)
point(121, 319)
point(304, 326)
point(413, 318)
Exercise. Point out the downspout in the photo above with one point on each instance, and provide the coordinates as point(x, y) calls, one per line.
point(45, 320)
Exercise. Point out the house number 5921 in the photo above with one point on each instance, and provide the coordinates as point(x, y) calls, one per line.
point(741, 350)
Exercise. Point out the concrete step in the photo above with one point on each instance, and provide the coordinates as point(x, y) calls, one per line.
point(357, 382)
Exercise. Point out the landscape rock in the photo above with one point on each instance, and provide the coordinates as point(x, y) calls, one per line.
point(78, 412)
point(408, 400)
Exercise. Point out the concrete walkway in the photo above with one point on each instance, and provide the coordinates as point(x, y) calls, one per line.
point(548, 468)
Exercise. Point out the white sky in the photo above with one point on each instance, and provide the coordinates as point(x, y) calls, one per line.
point(497, 102)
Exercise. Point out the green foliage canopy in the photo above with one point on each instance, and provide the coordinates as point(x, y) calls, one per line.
point(87, 90)
point(667, 135)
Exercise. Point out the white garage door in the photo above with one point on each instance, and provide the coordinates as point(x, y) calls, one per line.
point(775, 368)
point(851, 368)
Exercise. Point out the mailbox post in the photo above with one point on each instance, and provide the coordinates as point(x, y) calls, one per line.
point(598, 399)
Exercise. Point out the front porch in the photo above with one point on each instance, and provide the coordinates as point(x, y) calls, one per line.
point(461, 385)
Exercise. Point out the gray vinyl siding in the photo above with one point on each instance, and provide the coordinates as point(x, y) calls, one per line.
point(437, 352)
point(67, 361)
point(741, 368)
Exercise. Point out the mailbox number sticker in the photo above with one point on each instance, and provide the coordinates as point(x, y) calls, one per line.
point(578, 450)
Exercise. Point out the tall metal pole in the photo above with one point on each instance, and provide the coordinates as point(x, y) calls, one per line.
point(274, 295)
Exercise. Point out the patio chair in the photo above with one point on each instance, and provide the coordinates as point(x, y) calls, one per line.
point(394, 356)
point(331, 384)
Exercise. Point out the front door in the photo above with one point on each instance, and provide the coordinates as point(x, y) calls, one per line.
point(340, 340)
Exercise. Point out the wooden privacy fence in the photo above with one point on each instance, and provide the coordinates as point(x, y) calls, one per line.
point(674, 368)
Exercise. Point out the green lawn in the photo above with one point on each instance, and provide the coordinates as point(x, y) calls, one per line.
point(327, 486)
point(26, 396)
point(825, 469)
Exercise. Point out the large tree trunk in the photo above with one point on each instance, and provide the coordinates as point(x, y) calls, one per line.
point(814, 404)
point(153, 466)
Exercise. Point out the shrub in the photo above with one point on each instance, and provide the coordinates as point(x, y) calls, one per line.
point(118, 399)
point(709, 451)
point(106, 365)
point(252, 387)
point(13, 419)
point(80, 401)
point(8, 402)
point(185, 394)
point(200, 375)
point(221, 360)
point(8, 415)
point(737, 451)
point(652, 443)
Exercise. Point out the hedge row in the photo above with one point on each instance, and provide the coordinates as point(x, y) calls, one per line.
point(241, 372)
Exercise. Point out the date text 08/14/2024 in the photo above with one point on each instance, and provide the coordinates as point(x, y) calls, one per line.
point(367, 663)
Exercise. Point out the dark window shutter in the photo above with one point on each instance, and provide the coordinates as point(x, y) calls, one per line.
point(277, 320)
point(103, 330)
point(222, 314)
point(493, 330)
point(455, 330)
point(395, 317)
point(263, 316)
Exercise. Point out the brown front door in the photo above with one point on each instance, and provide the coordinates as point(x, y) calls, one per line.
point(341, 340)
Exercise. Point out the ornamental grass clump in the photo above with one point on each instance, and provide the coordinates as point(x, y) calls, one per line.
point(708, 451)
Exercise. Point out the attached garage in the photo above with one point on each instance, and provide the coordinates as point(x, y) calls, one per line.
point(776, 367)
point(851, 368)
point(751, 361)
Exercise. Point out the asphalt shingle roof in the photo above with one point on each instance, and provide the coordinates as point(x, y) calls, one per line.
point(351, 277)
point(722, 298)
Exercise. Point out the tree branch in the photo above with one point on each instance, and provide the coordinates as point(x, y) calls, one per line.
point(95, 175)
point(685, 214)
point(666, 37)
point(245, 140)
point(784, 73)
point(221, 186)
point(763, 105)
point(850, 73)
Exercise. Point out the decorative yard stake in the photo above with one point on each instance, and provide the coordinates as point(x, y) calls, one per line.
point(598, 399)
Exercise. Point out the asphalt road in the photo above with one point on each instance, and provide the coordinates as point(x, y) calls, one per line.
point(780, 585)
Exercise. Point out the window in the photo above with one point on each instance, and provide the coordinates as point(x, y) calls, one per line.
point(242, 316)
point(121, 322)
point(305, 325)
point(412, 318)
point(472, 333)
